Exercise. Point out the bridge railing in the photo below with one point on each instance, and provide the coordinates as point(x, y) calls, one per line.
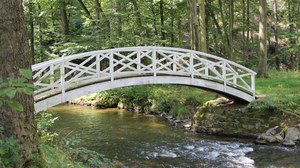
point(62, 74)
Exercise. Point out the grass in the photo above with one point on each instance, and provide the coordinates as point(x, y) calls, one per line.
point(283, 87)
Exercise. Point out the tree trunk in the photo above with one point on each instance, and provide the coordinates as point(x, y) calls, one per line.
point(86, 11)
point(154, 18)
point(162, 22)
point(172, 23)
point(14, 54)
point(243, 28)
point(275, 10)
point(138, 16)
point(292, 31)
point(64, 20)
point(262, 67)
point(41, 47)
point(202, 23)
point(226, 37)
point(248, 22)
point(97, 11)
point(31, 33)
point(231, 20)
point(194, 26)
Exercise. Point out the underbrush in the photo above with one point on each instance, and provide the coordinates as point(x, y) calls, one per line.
point(179, 101)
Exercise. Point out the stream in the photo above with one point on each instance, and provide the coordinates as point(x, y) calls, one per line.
point(149, 141)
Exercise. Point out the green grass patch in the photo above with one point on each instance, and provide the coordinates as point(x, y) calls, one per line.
point(283, 88)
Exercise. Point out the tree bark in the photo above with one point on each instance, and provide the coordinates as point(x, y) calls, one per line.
point(275, 10)
point(97, 11)
point(31, 33)
point(263, 64)
point(154, 18)
point(231, 20)
point(162, 22)
point(226, 37)
point(14, 54)
point(86, 11)
point(172, 23)
point(137, 15)
point(64, 20)
point(202, 23)
point(194, 25)
point(40, 25)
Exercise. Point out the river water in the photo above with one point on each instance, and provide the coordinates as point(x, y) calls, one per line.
point(149, 141)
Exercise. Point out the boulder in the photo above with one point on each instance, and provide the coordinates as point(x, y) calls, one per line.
point(273, 131)
point(169, 117)
point(266, 138)
point(289, 143)
point(271, 136)
point(292, 134)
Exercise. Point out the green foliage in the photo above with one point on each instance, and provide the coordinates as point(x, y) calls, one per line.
point(282, 89)
point(9, 152)
point(263, 105)
point(180, 101)
point(44, 121)
point(11, 86)
point(65, 152)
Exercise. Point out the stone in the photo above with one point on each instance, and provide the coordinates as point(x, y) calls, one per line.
point(279, 138)
point(169, 117)
point(292, 134)
point(289, 143)
point(187, 125)
point(273, 131)
point(267, 138)
point(177, 121)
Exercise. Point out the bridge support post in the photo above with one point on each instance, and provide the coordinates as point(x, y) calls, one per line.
point(111, 66)
point(192, 66)
point(52, 77)
point(62, 81)
point(224, 75)
point(253, 85)
point(154, 63)
point(98, 66)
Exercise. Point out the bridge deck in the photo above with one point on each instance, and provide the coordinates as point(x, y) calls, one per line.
point(72, 73)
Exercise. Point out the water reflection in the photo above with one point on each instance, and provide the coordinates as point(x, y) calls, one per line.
point(149, 141)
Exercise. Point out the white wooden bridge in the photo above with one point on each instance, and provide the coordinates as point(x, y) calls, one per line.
point(66, 78)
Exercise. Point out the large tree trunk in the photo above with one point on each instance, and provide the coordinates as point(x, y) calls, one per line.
point(275, 9)
point(172, 23)
point(231, 20)
point(64, 19)
point(138, 16)
point(97, 11)
point(262, 68)
point(154, 17)
point(226, 37)
point(162, 21)
point(202, 23)
point(14, 54)
point(194, 25)
point(31, 32)
point(86, 11)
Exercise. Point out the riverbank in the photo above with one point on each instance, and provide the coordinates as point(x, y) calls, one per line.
point(203, 112)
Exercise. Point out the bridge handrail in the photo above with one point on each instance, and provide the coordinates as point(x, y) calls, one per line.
point(210, 66)
point(76, 56)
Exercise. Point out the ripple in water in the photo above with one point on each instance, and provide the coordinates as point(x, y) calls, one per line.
point(213, 153)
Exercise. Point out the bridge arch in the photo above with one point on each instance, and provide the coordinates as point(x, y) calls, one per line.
point(66, 78)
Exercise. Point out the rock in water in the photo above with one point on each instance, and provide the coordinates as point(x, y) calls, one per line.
point(269, 136)
point(292, 134)
point(273, 131)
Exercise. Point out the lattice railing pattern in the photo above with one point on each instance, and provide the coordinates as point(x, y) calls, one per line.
point(62, 74)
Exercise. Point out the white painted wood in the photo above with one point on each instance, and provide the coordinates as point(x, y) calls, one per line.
point(215, 73)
